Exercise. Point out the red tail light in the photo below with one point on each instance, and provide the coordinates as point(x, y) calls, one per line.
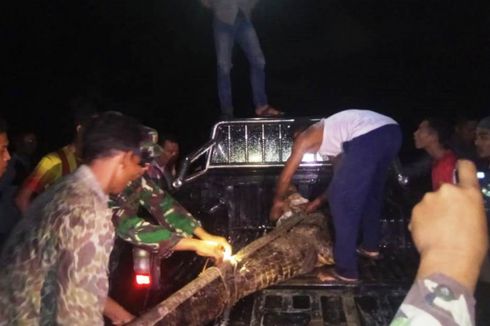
point(141, 267)
point(143, 280)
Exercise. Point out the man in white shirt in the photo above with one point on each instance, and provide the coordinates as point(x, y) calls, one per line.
point(368, 142)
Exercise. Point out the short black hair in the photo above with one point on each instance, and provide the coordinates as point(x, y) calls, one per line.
point(461, 119)
point(3, 126)
point(299, 125)
point(108, 133)
point(167, 137)
point(443, 130)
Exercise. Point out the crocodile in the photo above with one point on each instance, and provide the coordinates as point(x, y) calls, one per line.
point(293, 248)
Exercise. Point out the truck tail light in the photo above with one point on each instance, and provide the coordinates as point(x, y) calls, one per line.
point(143, 280)
point(141, 267)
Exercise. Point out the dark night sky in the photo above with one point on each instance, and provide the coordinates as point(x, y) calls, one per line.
point(407, 58)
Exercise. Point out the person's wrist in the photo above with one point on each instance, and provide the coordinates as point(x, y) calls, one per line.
point(188, 244)
point(458, 265)
point(201, 233)
point(277, 201)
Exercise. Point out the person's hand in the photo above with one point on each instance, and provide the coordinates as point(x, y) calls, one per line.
point(277, 209)
point(204, 235)
point(449, 229)
point(210, 249)
point(221, 242)
point(314, 205)
point(116, 313)
point(124, 321)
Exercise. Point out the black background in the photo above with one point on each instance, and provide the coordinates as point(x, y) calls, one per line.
point(155, 60)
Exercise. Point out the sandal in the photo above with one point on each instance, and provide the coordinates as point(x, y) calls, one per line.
point(332, 276)
point(268, 112)
point(374, 255)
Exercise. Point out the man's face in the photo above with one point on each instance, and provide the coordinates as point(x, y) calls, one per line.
point(424, 135)
point(29, 143)
point(128, 170)
point(482, 143)
point(466, 131)
point(4, 153)
point(170, 152)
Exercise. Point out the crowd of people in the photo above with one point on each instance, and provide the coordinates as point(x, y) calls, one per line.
point(59, 217)
point(68, 208)
point(146, 168)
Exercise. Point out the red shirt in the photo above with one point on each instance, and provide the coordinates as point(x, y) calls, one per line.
point(443, 170)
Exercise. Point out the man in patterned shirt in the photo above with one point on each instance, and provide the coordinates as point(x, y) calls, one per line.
point(54, 265)
point(176, 227)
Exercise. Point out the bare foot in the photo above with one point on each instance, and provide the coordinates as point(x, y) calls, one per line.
point(332, 276)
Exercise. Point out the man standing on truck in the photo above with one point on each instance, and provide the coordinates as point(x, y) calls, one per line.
point(232, 22)
point(368, 142)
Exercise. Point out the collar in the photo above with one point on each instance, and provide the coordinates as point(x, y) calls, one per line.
point(87, 176)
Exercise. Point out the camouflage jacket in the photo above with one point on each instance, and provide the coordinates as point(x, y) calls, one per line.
point(54, 265)
point(174, 221)
point(436, 300)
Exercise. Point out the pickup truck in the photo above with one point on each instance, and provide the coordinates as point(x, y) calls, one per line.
point(228, 184)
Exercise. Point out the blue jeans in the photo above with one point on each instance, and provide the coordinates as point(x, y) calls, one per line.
point(224, 38)
point(355, 194)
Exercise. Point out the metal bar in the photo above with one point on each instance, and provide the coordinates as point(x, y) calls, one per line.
point(229, 144)
point(349, 307)
point(265, 165)
point(245, 130)
point(280, 143)
point(262, 143)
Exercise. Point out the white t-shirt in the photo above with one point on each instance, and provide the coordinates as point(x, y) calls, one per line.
point(347, 125)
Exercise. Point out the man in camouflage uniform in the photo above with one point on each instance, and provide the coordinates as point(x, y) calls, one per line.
point(176, 226)
point(54, 265)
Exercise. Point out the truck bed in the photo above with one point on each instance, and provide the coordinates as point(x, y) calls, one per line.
point(305, 300)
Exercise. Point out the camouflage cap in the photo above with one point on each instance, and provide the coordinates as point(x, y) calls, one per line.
point(149, 148)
